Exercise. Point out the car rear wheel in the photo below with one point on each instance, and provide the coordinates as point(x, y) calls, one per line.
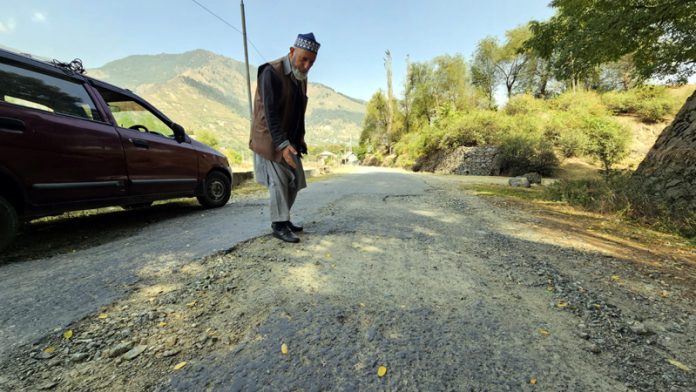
point(216, 190)
point(8, 223)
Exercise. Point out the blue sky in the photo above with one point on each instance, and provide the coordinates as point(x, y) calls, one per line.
point(354, 33)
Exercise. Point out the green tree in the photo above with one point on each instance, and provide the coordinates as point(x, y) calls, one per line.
point(514, 58)
point(586, 33)
point(374, 131)
point(484, 73)
point(608, 141)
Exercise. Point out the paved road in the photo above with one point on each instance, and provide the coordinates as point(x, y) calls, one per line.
point(43, 295)
point(400, 270)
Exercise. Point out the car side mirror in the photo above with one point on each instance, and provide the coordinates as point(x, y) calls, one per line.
point(179, 133)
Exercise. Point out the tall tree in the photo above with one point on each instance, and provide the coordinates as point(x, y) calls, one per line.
point(514, 57)
point(390, 98)
point(484, 73)
point(374, 133)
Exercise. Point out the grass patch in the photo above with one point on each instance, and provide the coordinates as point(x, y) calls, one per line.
point(530, 194)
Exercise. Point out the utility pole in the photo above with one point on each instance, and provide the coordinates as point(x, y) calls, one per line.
point(246, 59)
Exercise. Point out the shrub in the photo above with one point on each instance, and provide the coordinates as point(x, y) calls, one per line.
point(649, 103)
point(526, 152)
point(573, 142)
point(472, 129)
point(581, 102)
point(524, 104)
point(602, 195)
point(608, 140)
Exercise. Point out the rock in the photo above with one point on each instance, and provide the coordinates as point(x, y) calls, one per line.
point(79, 357)
point(594, 349)
point(371, 333)
point(134, 352)
point(54, 362)
point(171, 353)
point(120, 349)
point(171, 341)
point(639, 328)
point(47, 385)
point(45, 355)
point(533, 177)
point(519, 182)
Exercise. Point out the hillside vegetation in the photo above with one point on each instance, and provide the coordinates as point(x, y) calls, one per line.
point(206, 93)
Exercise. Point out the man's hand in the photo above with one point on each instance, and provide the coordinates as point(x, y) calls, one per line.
point(289, 154)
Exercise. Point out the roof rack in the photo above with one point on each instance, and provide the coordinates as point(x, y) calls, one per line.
point(74, 66)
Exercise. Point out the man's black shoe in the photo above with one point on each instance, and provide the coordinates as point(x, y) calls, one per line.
point(294, 228)
point(283, 232)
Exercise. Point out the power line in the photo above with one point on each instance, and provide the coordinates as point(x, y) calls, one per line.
point(229, 25)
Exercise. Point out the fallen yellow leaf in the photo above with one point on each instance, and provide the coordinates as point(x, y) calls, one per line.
point(615, 278)
point(191, 304)
point(381, 371)
point(49, 349)
point(179, 365)
point(162, 324)
point(533, 381)
point(103, 316)
point(68, 334)
point(544, 332)
point(679, 365)
point(562, 304)
point(284, 348)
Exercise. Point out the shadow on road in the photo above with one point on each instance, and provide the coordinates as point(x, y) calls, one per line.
point(67, 233)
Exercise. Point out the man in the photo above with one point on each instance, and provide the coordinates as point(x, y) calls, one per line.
point(278, 129)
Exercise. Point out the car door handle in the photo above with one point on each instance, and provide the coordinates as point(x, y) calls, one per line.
point(140, 143)
point(12, 124)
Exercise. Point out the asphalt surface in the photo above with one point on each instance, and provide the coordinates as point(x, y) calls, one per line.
point(402, 281)
point(46, 294)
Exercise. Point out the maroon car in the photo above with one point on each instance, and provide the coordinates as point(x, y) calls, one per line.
point(71, 142)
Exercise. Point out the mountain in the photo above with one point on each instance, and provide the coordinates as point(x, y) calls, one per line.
point(202, 90)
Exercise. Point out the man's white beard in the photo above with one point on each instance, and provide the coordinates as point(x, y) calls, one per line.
point(299, 75)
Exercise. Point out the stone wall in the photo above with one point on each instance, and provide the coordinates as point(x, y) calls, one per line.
point(668, 172)
point(474, 161)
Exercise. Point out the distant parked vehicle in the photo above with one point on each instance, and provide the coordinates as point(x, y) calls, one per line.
point(71, 142)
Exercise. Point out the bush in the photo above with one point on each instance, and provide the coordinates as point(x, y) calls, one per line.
point(602, 195)
point(524, 104)
point(526, 152)
point(649, 103)
point(581, 102)
point(471, 129)
point(608, 140)
point(573, 142)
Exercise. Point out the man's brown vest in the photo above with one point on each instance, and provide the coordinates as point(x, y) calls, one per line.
point(260, 140)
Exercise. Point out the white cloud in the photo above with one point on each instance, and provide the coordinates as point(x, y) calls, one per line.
point(7, 26)
point(38, 17)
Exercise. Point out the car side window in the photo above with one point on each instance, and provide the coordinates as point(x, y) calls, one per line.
point(129, 113)
point(36, 90)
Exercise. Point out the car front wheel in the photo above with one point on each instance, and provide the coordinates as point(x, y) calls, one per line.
point(216, 190)
point(8, 223)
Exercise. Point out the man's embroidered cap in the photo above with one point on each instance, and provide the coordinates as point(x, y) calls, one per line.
point(307, 42)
